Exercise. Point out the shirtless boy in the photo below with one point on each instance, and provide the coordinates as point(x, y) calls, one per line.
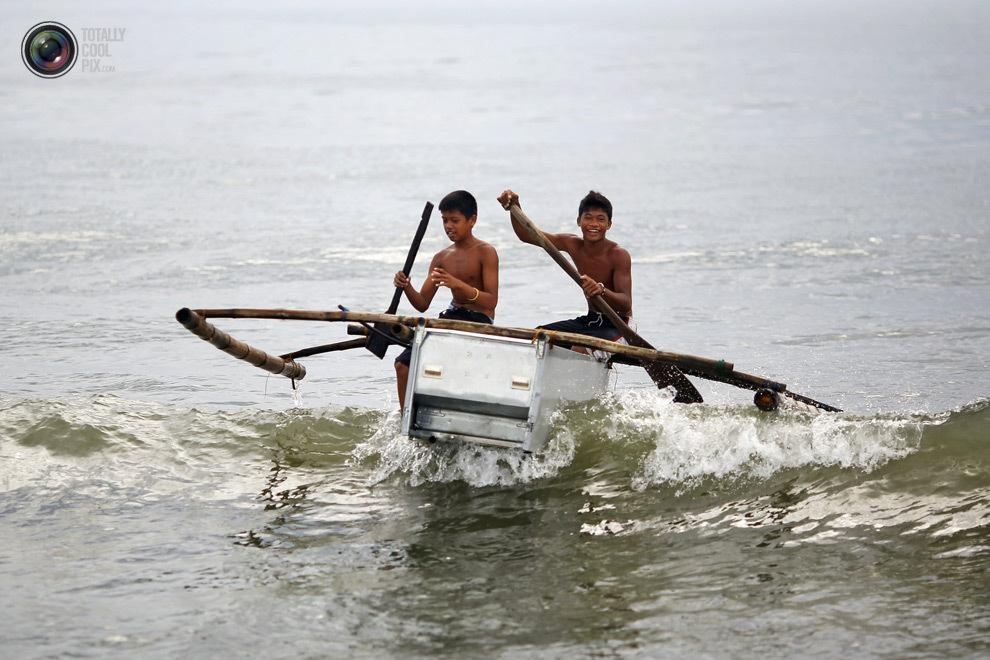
point(605, 268)
point(469, 268)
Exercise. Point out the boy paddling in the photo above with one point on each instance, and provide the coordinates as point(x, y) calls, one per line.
point(605, 267)
point(469, 268)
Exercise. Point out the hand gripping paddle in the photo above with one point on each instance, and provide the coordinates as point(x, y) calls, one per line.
point(377, 341)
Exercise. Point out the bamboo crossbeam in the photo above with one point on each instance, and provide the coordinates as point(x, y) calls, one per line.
point(699, 364)
point(325, 348)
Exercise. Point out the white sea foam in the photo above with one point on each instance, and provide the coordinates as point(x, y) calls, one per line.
point(694, 442)
point(113, 444)
point(478, 466)
point(684, 444)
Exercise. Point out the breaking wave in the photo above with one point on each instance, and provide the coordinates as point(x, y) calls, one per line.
point(637, 439)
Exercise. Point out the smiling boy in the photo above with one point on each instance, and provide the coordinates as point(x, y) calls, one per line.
point(605, 267)
point(469, 268)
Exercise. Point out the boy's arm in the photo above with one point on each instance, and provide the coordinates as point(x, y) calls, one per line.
point(559, 241)
point(419, 299)
point(489, 279)
point(619, 297)
point(563, 242)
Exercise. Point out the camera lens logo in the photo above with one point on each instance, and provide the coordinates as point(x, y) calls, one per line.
point(49, 50)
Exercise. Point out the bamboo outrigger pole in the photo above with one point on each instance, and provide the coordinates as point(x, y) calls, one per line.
point(693, 362)
point(701, 367)
point(197, 325)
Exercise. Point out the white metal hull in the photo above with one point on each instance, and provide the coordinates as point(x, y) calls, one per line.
point(493, 390)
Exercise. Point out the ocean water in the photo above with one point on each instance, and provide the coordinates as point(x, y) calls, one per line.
point(803, 187)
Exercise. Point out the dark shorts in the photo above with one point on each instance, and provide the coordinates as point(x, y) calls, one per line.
point(593, 325)
point(454, 314)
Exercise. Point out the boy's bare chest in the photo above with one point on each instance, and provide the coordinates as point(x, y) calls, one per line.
point(598, 267)
point(461, 263)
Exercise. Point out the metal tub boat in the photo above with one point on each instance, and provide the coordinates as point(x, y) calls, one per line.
point(490, 390)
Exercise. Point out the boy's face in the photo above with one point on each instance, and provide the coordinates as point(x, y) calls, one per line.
point(456, 226)
point(594, 223)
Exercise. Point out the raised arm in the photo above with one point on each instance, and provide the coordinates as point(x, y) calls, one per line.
point(560, 241)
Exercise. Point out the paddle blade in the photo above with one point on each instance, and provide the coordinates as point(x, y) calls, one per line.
point(667, 375)
point(378, 344)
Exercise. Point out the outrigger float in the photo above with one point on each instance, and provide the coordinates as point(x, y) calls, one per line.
point(489, 384)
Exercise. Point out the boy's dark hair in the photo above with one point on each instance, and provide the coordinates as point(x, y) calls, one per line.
point(460, 200)
point(595, 200)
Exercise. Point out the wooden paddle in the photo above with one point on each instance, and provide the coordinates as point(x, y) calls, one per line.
point(664, 375)
point(377, 342)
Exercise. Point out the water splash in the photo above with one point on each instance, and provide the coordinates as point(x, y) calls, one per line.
point(659, 444)
point(690, 443)
point(478, 466)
